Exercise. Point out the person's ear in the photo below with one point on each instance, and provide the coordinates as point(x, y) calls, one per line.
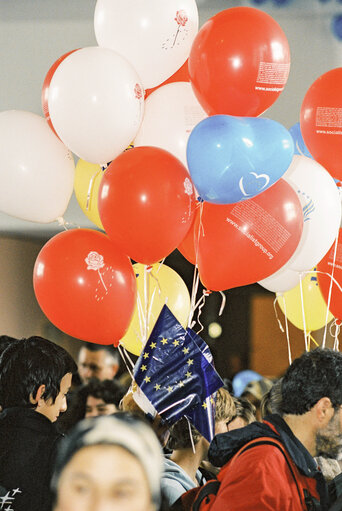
point(37, 399)
point(115, 368)
point(323, 410)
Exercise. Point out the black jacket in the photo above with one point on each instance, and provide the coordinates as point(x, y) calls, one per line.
point(28, 442)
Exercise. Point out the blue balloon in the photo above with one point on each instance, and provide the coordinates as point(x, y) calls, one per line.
point(235, 158)
point(242, 379)
point(299, 144)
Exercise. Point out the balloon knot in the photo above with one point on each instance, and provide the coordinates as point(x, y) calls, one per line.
point(61, 221)
point(206, 292)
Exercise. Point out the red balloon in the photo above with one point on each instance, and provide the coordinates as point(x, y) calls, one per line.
point(182, 75)
point(321, 121)
point(327, 266)
point(46, 85)
point(146, 203)
point(187, 246)
point(85, 286)
point(239, 62)
point(243, 243)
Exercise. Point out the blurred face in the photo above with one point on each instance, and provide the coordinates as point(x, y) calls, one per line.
point(103, 478)
point(51, 409)
point(96, 364)
point(329, 438)
point(95, 407)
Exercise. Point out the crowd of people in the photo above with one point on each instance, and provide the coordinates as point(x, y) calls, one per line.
point(76, 436)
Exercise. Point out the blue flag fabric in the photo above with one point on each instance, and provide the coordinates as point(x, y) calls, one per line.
point(176, 373)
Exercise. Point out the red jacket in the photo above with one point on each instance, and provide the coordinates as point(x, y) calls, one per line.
point(261, 478)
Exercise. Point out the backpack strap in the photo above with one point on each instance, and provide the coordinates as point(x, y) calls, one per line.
point(282, 450)
point(209, 489)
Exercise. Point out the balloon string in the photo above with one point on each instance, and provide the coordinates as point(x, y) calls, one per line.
point(147, 270)
point(313, 340)
point(195, 281)
point(303, 311)
point(324, 273)
point(335, 335)
point(90, 187)
point(329, 294)
point(122, 352)
point(286, 326)
point(63, 223)
point(276, 312)
point(223, 303)
point(206, 293)
point(191, 437)
point(141, 319)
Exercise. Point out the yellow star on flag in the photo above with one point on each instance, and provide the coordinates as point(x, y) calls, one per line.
point(190, 362)
point(175, 342)
point(205, 406)
point(144, 368)
point(153, 345)
point(181, 384)
point(147, 379)
point(185, 351)
point(164, 341)
point(146, 355)
point(188, 374)
point(169, 388)
point(157, 386)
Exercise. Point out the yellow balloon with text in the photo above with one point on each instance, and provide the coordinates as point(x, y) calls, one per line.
point(163, 286)
point(87, 181)
point(314, 306)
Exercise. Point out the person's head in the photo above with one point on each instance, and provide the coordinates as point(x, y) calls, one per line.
point(134, 401)
point(97, 361)
point(36, 373)
point(312, 390)
point(271, 401)
point(113, 463)
point(5, 340)
point(225, 410)
point(244, 414)
point(254, 392)
point(101, 397)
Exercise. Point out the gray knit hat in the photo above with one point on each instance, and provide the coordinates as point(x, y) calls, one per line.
point(123, 429)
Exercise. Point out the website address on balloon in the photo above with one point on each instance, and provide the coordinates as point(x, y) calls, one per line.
point(336, 265)
point(272, 89)
point(250, 237)
point(326, 132)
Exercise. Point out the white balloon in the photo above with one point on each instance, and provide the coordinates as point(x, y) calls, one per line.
point(154, 35)
point(281, 281)
point(321, 203)
point(171, 113)
point(36, 169)
point(96, 103)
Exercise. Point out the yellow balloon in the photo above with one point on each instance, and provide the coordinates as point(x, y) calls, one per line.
point(164, 286)
point(86, 185)
point(315, 308)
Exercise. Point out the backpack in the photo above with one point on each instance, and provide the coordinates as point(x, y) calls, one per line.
point(203, 497)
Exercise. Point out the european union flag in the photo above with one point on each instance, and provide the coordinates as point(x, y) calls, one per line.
point(176, 373)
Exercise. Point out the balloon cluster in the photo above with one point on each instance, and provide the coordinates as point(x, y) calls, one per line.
point(160, 114)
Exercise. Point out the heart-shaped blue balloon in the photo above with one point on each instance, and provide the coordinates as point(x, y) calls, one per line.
point(235, 158)
point(299, 144)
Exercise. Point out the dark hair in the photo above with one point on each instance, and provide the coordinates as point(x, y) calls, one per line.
point(110, 350)
point(110, 391)
point(271, 401)
point(244, 409)
point(309, 378)
point(180, 435)
point(5, 340)
point(28, 363)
